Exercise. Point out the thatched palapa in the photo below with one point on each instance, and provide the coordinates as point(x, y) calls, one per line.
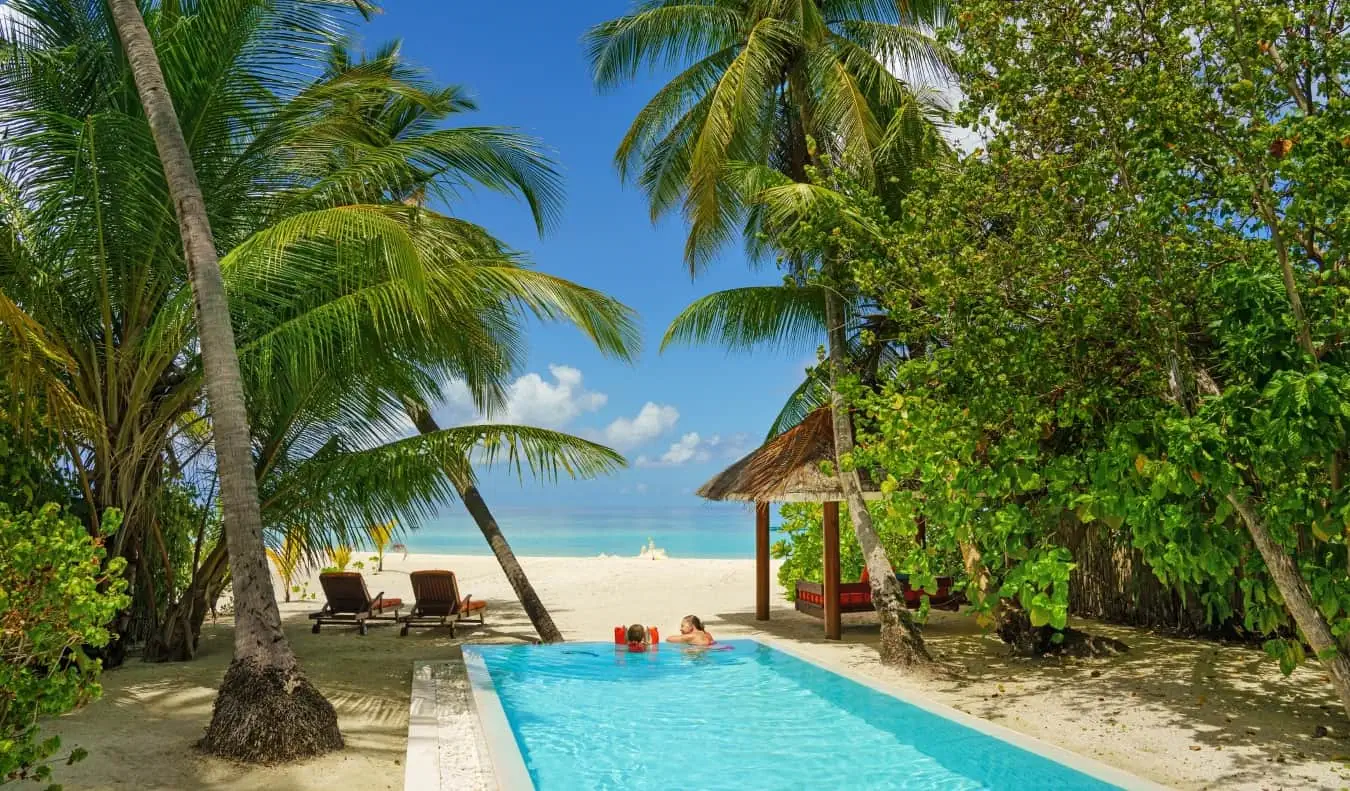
point(787, 469)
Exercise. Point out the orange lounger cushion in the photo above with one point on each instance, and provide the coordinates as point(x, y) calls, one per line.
point(474, 605)
point(388, 602)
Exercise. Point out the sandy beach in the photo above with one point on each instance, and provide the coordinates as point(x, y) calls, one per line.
point(1189, 714)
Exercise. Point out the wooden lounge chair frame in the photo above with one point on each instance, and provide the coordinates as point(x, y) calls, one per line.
point(438, 603)
point(348, 604)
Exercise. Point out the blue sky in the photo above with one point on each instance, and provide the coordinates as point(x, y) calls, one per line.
point(525, 65)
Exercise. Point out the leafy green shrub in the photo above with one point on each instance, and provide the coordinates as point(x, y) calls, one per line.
point(803, 551)
point(55, 598)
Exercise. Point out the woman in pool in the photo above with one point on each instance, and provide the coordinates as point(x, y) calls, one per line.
point(692, 633)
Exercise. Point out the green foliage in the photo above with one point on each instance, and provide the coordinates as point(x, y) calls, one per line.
point(29, 450)
point(1098, 307)
point(756, 80)
point(56, 596)
point(803, 549)
point(352, 293)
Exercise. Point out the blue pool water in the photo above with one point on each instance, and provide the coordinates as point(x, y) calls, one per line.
point(714, 530)
point(588, 716)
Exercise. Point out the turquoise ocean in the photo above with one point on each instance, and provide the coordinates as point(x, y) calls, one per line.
point(723, 530)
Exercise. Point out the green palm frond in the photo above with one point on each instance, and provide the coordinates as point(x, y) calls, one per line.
point(809, 396)
point(665, 32)
point(754, 81)
point(348, 294)
point(662, 114)
point(785, 317)
point(914, 52)
point(608, 323)
point(733, 125)
point(546, 455)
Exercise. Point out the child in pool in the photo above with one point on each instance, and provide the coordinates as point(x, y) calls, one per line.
point(638, 638)
point(692, 633)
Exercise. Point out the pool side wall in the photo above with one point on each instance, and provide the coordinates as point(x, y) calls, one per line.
point(508, 765)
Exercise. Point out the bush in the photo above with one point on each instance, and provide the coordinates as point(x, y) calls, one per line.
point(55, 598)
point(803, 551)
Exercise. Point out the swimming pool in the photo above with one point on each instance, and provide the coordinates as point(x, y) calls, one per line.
point(588, 716)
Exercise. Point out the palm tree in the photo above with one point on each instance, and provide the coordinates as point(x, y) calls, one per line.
point(97, 318)
point(264, 683)
point(501, 163)
point(782, 85)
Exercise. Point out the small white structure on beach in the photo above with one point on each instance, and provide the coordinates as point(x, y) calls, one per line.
point(651, 552)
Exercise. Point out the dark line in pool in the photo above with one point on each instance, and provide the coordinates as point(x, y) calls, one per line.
point(587, 653)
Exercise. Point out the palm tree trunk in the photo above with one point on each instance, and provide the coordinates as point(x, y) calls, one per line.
point(473, 501)
point(901, 642)
point(266, 709)
point(1298, 599)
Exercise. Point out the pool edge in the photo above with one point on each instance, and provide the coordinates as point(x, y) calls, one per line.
point(1091, 767)
point(422, 762)
point(508, 764)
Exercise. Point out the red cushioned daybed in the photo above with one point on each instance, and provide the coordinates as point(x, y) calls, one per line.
point(857, 596)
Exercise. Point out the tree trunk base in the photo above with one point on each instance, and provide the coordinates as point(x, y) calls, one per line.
point(901, 642)
point(269, 715)
point(1029, 641)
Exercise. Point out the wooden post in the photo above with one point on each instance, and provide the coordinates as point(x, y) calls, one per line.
point(761, 561)
point(833, 625)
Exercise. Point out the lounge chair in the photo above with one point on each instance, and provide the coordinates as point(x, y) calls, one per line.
point(349, 602)
point(439, 603)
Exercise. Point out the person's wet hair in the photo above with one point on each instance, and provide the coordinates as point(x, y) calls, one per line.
point(694, 621)
point(636, 633)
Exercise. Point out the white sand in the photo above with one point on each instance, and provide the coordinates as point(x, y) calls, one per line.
point(1185, 713)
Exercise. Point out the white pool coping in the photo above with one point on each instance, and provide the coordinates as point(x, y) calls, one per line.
point(422, 763)
point(508, 765)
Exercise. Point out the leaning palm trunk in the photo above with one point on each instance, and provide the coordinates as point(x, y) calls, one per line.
point(266, 709)
point(901, 642)
point(473, 501)
point(1298, 599)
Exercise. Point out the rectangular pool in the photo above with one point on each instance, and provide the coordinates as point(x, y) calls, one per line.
point(590, 716)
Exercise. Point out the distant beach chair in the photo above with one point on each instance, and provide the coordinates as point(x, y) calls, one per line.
point(350, 602)
point(439, 603)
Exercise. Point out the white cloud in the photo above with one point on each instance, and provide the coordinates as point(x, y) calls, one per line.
point(651, 421)
point(686, 449)
point(641, 488)
point(693, 448)
point(531, 400)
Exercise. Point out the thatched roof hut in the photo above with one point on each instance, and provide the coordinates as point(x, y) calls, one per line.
point(787, 469)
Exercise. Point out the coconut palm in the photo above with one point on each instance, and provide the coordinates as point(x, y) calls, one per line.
point(408, 118)
point(325, 278)
point(773, 88)
point(263, 661)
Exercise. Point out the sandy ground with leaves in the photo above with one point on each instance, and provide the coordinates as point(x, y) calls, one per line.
point(1189, 714)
